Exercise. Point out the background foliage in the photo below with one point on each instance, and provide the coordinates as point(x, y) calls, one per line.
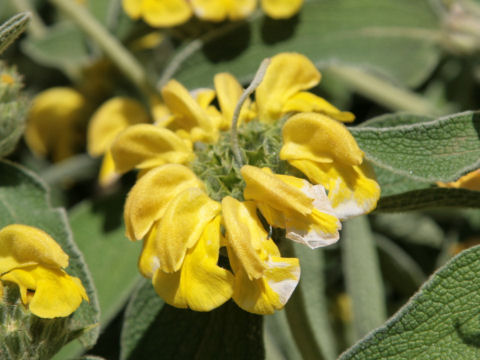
point(408, 69)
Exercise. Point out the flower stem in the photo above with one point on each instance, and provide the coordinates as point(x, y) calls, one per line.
point(257, 79)
point(117, 53)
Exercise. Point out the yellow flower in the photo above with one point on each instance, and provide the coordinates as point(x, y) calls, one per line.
point(281, 9)
point(187, 242)
point(107, 122)
point(56, 122)
point(293, 204)
point(282, 90)
point(31, 259)
point(190, 118)
point(146, 146)
point(229, 91)
point(167, 13)
point(159, 13)
point(147, 201)
point(219, 10)
point(196, 179)
point(470, 181)
point(264, 280)
point(325, 151)
point(182, 234)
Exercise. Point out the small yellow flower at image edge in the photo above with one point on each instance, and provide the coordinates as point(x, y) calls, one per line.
point(169, 13)
point(221, 190)
point(32, 260)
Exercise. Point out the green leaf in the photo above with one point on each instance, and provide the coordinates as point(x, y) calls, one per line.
point(395, 119)
point(13, 107)
point(399, 226)
point(279, 344)
point(307, 311)
point(430, 198)
point(438, 150)
point(224, 333)
point(327, 32)
point(398, 267)
point(392, 183)
point(99, 231)
point(12, 28)
point(62, 47)
point(24, 200)
point(362, 275)
point(142, 309)
point(441, 321)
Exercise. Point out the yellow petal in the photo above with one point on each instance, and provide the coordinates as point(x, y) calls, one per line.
point(200, 284)
point(149, 197)
point(352, 190)
point(316, 137)
point(281, 9)
point(146, 146)
point(181, 226)
point(470, 181)
point(160, 112)
point(265, 187)
point(318, 229)
point(107, 174)
point(162, 13)
point(56, 294)
point(229, 92)
point(287, 74)
point(273, 216)
point(204, 97)
point(189, 115)
point(321, 226)
point(22, 245)
point(133, 8)
point(148, 41)
point(149, 262)
point(55, 121)
point(308, 102)
point(270, 292)
point(110, 119)
point(244, 233)
point(218, 10)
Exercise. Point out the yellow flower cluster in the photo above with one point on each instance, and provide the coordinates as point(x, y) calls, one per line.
point(30, 258)
point(166, 13)
point(186, 213)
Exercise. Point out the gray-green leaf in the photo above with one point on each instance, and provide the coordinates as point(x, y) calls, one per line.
point(224, 333)
point(327, 32)
point(440, 322)
point(24, 200)
point(100, 234)
point(438, 150)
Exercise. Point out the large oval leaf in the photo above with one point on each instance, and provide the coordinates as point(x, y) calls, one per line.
point(152, 330)
point(387, 33)
point(440, 322)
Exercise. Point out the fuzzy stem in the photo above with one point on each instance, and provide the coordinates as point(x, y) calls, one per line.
point(36, 28)
point(236, 114)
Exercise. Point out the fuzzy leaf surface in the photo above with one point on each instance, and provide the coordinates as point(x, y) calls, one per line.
point(224, 333)
point(439, 322)
point(24, 199)
point(327, 32)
